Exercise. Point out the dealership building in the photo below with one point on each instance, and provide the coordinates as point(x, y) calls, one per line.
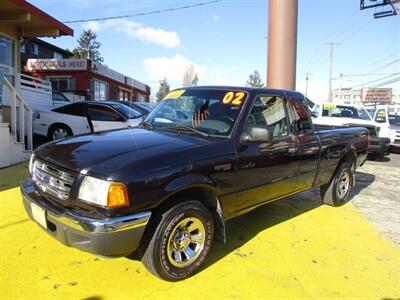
point(84, 79)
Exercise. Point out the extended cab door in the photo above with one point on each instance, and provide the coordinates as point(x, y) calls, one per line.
point(266, 171)
point(307, 141)
point(105, 118)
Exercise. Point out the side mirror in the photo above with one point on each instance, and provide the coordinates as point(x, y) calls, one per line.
point(256, 134)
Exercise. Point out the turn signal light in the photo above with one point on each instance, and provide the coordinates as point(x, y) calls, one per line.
point(117, 195)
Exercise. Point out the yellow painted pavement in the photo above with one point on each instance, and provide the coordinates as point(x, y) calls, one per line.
point(291, 249)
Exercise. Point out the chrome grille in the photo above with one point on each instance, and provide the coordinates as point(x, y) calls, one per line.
point(51, 180)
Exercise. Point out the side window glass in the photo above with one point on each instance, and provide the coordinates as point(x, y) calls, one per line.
point(72, 109)
point(315, 111)
point(269, 111)
point(301, 116)
point(101, 113)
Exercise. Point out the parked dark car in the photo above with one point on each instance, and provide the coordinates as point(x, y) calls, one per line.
point(142, 107)
point(164, 190)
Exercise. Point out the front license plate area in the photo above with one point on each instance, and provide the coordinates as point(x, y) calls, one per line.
point(39, 214)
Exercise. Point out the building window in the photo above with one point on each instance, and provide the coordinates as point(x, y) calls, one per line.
point(140, 98)
point(60, 84)
point(6, 51)
point(22, 48)
point(100, 90)
point(7, 59)
point(57, 55)
point(124, 95)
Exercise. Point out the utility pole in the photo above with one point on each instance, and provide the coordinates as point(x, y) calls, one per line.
point(332, 45)
point(340, 87)
point(307, 75)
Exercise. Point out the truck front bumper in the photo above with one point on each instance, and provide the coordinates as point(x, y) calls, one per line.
point(107, 237)
point(379, 145)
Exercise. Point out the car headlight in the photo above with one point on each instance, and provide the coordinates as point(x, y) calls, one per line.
point(31, 163)
point(103, 193)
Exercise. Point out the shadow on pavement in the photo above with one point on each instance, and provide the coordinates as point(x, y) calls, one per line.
point(363, 180)
point(244, 228)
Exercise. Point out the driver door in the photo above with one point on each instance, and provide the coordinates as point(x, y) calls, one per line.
point(267, 170)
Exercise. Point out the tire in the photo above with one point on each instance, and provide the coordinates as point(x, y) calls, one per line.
point(338, 191)
point(181, 241)
point(59, 131)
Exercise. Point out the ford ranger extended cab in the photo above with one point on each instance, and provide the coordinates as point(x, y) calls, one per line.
point(164, 190)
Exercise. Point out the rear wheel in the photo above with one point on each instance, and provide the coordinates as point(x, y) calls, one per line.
point(181, 241)
point(338, 191)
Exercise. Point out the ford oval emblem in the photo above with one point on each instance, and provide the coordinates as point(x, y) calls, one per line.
point(46, 179)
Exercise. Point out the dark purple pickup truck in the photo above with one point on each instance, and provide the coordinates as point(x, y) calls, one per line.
point(204, 155)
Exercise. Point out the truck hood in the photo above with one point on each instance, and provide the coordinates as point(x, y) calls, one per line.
point(110, 150)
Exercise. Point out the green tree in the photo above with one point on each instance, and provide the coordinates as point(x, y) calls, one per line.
point(255, 80)
point(163, 90)
point(88, 47)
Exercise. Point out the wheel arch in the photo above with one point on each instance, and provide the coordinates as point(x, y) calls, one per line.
point(196, 187)
point(349, 157)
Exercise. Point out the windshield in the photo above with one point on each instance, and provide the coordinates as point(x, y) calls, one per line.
point(126, 111)
point(207, 110)
point(339, 111)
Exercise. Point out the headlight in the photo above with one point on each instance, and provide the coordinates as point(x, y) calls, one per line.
point(104, 193)
point(31, 163)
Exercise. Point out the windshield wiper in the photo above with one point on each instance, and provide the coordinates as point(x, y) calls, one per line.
point(148, 124)
point(187, 128)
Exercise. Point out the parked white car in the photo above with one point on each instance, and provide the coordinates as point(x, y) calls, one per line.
point(380, 114)
point(328, 115)
point(84, 117)
point(342, 114)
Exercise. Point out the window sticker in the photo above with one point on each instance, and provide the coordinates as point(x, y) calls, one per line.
point(235, 98)
point(175, 94)
point(330, 105)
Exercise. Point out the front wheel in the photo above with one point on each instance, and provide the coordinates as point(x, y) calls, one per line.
point(181, 241)
point(59, 131)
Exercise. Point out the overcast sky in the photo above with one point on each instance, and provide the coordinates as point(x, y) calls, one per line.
point(226, 41)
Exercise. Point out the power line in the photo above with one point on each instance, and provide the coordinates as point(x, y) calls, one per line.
point(376, 80)
point(397, 79)
point(153, 12)
point(397, 52)
point(317, 56)
point(317, 51)
point(386, 65)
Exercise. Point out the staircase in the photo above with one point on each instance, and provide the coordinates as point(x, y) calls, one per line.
point(15, 127)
